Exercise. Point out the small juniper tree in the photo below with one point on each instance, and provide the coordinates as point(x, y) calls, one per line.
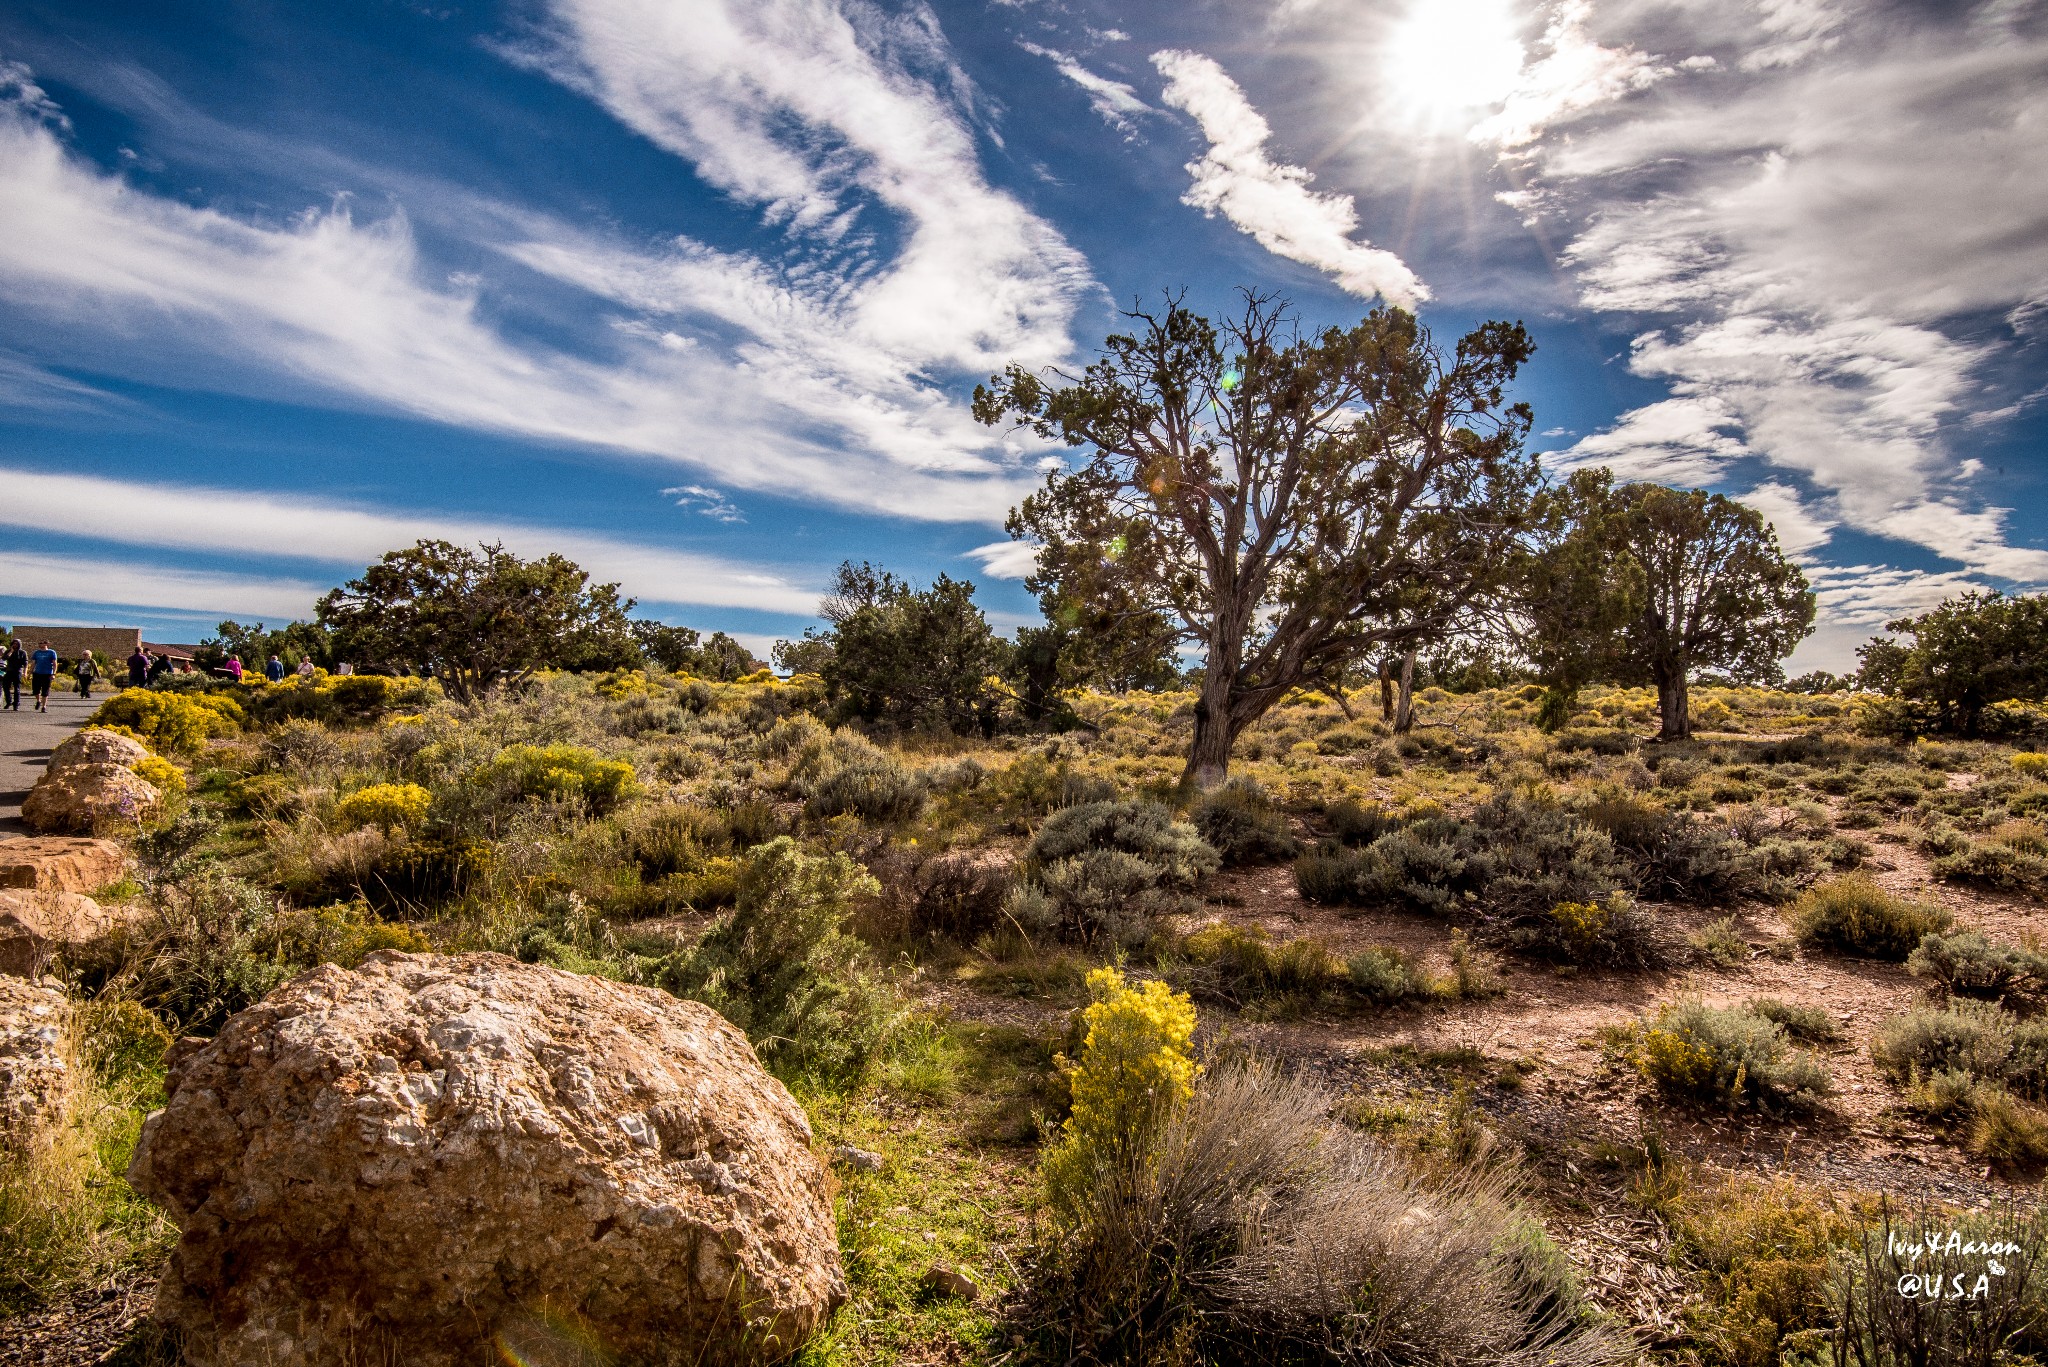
point(1289, 503)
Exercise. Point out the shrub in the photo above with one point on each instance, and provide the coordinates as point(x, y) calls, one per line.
point(1241, 966)
point(166, 777)
point(1104, 870)
point(1766, 1250)
point(1721, 943)
point(1613, 931)
point(1727, 1056)
point(2013, 863)
point(1903, 1299)
point(1968, 965)
point(561, 773)
point(884, 791)
point(389, 806)
point(839, 772)
point(1596, 742)
point(170, 723)
point(1809, 1023)
point(959, 893)
point(782, 968)
point(1852, 915)
point(1358, 825)
point(1145, 830)
point(1135, 1067)
point(2032, 763)
point(1242, 1225)
point(1977, 1039)
point(1239, 819)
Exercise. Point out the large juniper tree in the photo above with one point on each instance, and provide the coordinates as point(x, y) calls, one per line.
point(1290, 503)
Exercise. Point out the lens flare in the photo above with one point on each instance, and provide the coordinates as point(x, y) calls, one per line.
point(1230, 381)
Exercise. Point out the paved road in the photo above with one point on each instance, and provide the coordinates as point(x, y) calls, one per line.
point(26, 739)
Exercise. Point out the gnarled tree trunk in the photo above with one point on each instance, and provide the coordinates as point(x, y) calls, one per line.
point(1404, 706)
point(1673, 709)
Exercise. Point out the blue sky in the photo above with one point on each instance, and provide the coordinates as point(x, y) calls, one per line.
point(695, 290)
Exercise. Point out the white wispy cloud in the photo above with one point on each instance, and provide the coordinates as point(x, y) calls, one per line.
point(1006, 559)
point(191, 518)
point(1114, 102)
point(1575, 74)
point(829, 373)
point(1800, 527)
point(1272, 200)
point(1812, 227)
point(81, 579)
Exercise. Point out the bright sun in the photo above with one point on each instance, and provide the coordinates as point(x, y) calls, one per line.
point(1444, 57)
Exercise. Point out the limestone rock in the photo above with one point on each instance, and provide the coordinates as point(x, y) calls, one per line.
point(434, 1159)
point(35, 1080)
point(949, 1283)
point(38, 923)
point(65, 863)
point(97, 747)
point(85, 797)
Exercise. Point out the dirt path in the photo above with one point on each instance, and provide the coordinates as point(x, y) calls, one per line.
point(26, 739)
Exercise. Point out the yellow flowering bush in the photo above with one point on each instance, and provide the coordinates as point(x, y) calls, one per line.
point(1135, 1059)
point(2031, 762)
point(170, 723)
point(162, 775)
point(393, 806)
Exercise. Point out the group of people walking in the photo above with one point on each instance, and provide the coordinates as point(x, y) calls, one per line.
point(40, 666)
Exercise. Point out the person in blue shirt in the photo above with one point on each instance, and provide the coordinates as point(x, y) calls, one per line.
point(274, 670)
point(42, 671)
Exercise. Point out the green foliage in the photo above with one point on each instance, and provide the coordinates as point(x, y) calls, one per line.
point(1852, 915)
point(388, 806)
point(681, 650)
point(1809, 1023)
point(782, 967)
point(1240, 821)
point(840, 772)
point(1242, 967)
point(1724, 1056)
point(170, 723)
point(1319, 549)
point(558, 773)
point(1612, 931)
point(477, 618)
point(1967, 656)
point(2013, 858)
point(1966, 964)
point(907, 656)
point(1106, 869)
point(1980, 1040)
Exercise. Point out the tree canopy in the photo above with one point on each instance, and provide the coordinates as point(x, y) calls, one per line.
point(1967, 655)
point(890, 652)
point(1285, 503)
point(477, 618)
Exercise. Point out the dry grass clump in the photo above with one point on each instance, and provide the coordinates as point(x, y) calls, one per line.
point(1247, 1227)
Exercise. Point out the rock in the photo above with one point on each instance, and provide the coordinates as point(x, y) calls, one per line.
point(942, 1280)
point(36, 925)
point(450, 1159)
point(860, 1160)
point(35, 1079)
point(85, 797)
point(64, 862)
point(95, 746)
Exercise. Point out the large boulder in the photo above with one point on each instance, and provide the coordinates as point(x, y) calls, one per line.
point(97, 746)
point(35, 1078)
point(63, 863)
point(89, 797)
point(434, 1159)
point(37, 924)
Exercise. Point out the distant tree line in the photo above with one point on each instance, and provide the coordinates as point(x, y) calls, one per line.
point(476, 619)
